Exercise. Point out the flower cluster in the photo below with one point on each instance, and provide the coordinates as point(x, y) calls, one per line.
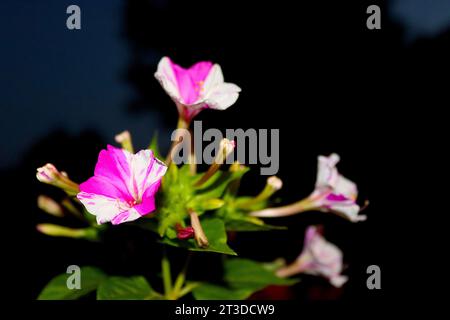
point(196, 211)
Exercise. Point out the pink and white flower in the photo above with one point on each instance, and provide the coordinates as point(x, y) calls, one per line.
point(319, 257)
point(199, 87)
point(123, 186)
point(334, 192)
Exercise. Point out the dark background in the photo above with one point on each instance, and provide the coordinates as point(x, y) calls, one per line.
point(311, 69)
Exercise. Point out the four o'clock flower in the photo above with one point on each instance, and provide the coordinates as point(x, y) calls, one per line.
point(319, 257)
point(199, 87)
point(123, 186)
point(333, 193)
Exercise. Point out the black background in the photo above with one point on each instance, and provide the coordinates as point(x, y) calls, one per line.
point(311, 69)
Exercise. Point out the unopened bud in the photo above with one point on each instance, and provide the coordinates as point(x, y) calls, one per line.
point(47, 174)
point(275, 183)
point(50, 175)
point(237, 166)
point(50, 206)
point(54, 230)
point(226, 148)
point(124, 138)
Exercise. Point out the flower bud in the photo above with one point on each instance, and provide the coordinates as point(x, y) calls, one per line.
point(273, 184)
point(225, 149)
point(124, 138)
point(50, 175)
point(47, 174)
point(50, 206)
point(54, 230)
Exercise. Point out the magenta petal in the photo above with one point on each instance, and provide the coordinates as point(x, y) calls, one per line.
point(336, 197)
point(148, 200)
point(123, 187)
point(102, 186)
point(122, 217)
point(190, 80)
point(185, 233)
point(113, 165)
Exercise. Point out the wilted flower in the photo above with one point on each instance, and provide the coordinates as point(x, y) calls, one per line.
point(124, 185)
point(184, 233)
point(198, 87)
point(199, 234)
point(333, 193)
point(319, 257)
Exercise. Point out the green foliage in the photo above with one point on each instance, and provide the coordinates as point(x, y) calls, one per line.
point(208, 291)
point(56, 289)
point(179, 193)
point(126, 288)
point(108, 287)
point(241, 279)
point(219, 210)
point(216, 234)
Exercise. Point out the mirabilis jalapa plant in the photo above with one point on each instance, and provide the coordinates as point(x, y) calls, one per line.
point(191, 210)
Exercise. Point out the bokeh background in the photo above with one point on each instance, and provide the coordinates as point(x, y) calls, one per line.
point(311, 69)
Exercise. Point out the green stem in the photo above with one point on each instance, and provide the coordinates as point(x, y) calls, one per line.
point(182, 124)
point(188, 288)
point(287, 210)
point(179, 282)
point(167, 277)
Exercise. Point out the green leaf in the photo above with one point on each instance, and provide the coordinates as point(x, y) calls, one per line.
point(208, 291)
point(126, 288)
point(238, 220)
point(56, 289)
point(215, 232)
point(249, 225)
point(216, 185)
point(242, 278)
point(248, 274)
point(241, 201)
point(199, 204)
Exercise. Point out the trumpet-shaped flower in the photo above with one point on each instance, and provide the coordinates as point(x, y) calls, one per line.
point(123, 186)
point(334, 192)
point(198, 87)
point(319, 257)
